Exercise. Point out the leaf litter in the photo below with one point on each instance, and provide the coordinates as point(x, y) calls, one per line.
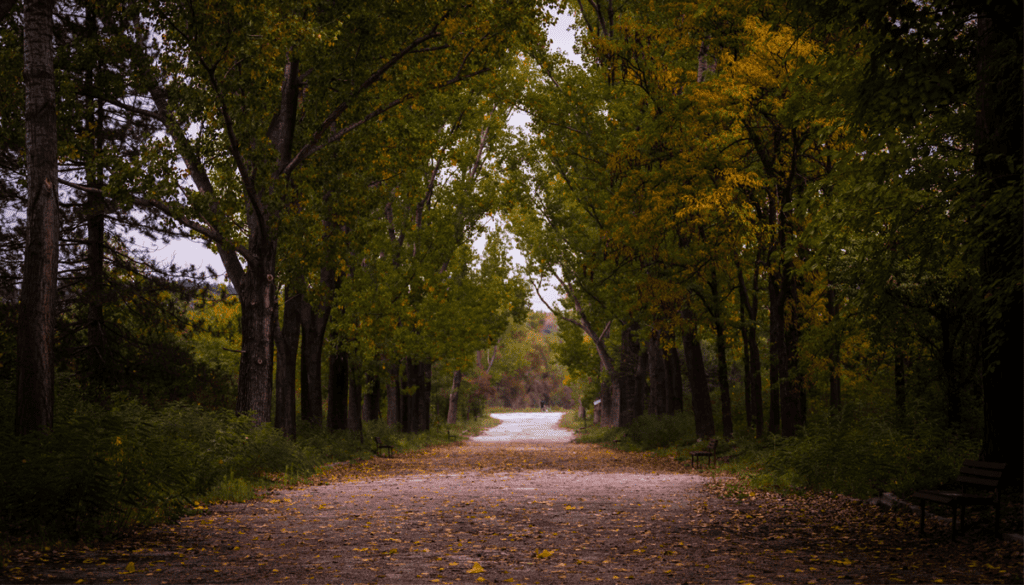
point(533, 513)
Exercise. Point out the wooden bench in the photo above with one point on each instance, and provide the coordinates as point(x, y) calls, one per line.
point(711, 453)
point(979, 486)
point(381, 447)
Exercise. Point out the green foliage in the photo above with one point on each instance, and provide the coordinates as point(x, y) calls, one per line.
point(862, 455)
point(102, 471)
point(655, 431)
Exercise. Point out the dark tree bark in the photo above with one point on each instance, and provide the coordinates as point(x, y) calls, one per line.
point(723, 380)
point(95, 219)
point(835, 397)
point(778, 362)
point(752, 353)
point(394, 392)
point(407, 397)
point(314, 328)
point(998, 151)
point(704, 418)
point(255, 370)
point(337, 391)
point(34, 399)
point(453, 398)
point(720, 352)
point(287, 356)
point(643, 388)
point(628, 390)
point(423, 397)
point(657, 374)
point(674, 403)
point(355, 399)
point(371, 405)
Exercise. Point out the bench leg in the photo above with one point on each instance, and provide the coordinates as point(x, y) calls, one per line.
point(954, 506)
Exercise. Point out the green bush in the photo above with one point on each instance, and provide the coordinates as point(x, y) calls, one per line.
point(95, 473)
point(650, 431)
point(857, 454)
point(99, 472)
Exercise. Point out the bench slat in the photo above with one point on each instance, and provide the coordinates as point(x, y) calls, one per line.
point(979, 481)
point(981, 472)
point(985, 465)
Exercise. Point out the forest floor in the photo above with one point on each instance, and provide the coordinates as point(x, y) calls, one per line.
point(534, 510)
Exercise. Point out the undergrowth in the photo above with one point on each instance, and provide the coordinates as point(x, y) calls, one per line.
point(846, 451)
point(101, 471)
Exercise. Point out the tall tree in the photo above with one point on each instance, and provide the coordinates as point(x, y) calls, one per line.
point(224, 82)
point(38, 313)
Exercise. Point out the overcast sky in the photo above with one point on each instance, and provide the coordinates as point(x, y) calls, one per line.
point(186, 252)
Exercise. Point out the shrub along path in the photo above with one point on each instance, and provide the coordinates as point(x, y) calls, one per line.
point(537, 512)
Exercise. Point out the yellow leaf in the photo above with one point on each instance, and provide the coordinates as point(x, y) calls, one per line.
point(545, 554)
point(130, 568)
point(476, 568)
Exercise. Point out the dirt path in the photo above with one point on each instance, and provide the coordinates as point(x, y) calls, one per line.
point(537, 511)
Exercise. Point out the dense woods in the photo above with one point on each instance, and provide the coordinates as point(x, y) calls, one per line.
point(773, 217)
point(788, 221)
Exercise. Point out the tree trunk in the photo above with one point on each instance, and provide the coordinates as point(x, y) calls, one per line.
point(628, 392)
point(95, 219)
point(287, 356)
point(453, 398)
point(337, 392)
point(674, 402)
point(998, 151)
point(704, 418)
point(394, 418)
point(835, 351)
point(794, 398)
point(314, 328)
point(776, 349)
point(752, 351)
point(954, 410)
point(720, 353)
point(643, 388)
point(723, 380)
point(371, 406)
point(423, 387)
point(37, 319)
point(657, 374)
point(355, 399)
point(408, 397)
point(257, 294)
